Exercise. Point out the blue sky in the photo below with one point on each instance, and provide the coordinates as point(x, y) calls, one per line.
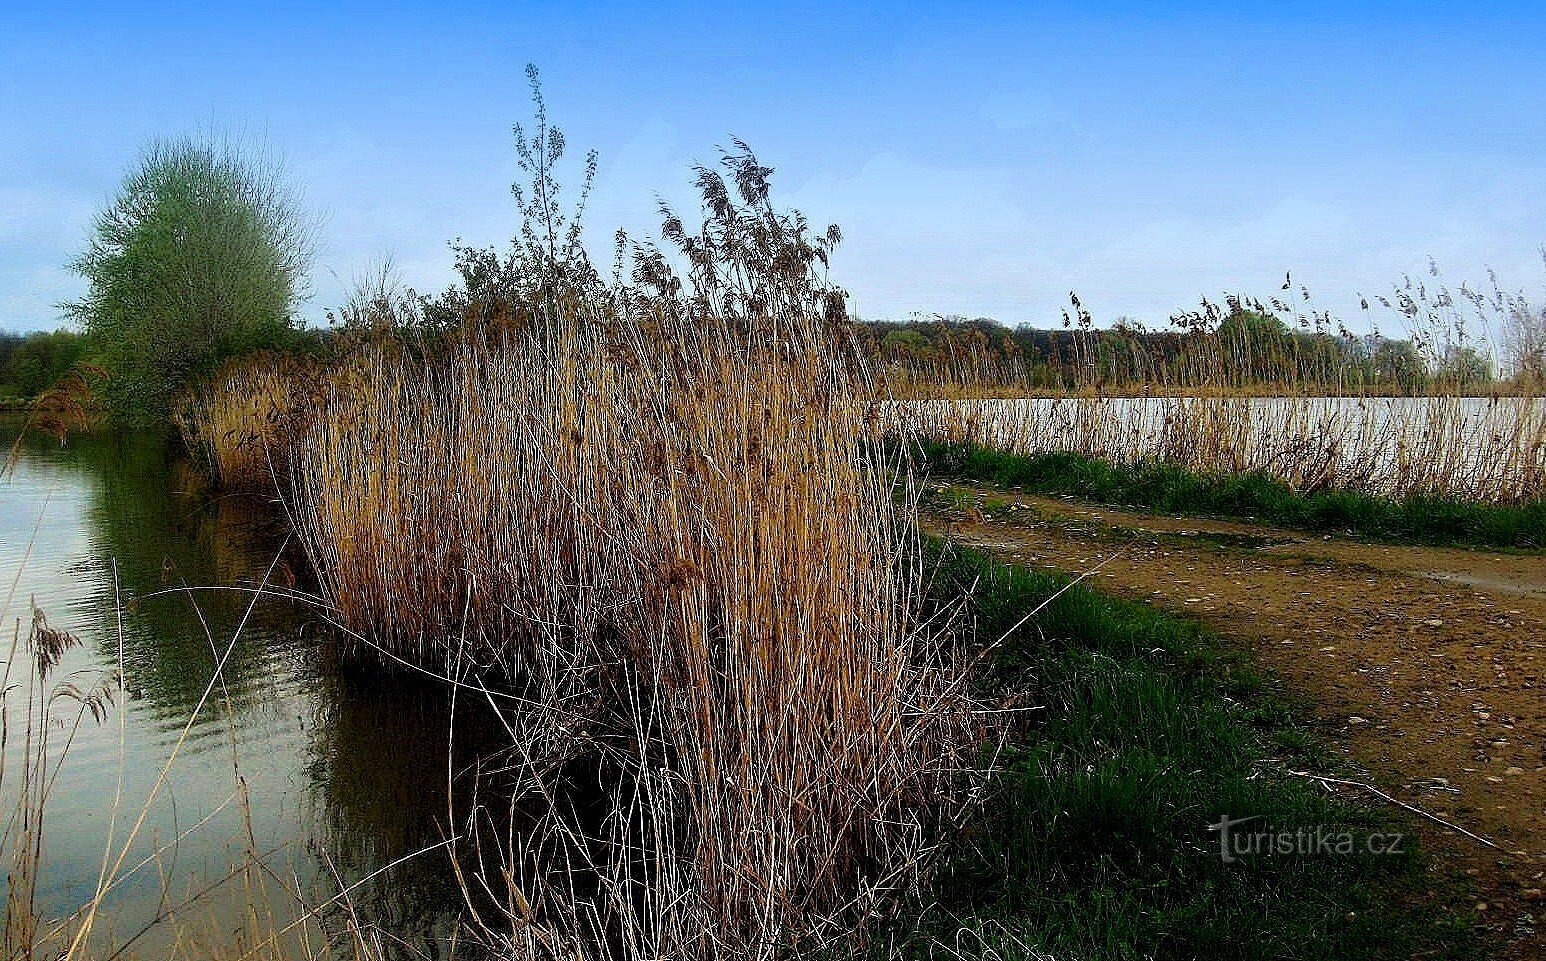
point(982, 159)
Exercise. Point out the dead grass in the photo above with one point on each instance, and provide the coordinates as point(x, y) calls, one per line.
point(1490, 450)
point(237, 419)
point(689, 563)
point(652, 525)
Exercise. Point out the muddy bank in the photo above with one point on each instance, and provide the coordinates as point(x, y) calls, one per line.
point(1421, 664)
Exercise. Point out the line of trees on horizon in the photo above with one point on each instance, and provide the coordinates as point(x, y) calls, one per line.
point(203, 255)
point(1243, 350)
point(1238, 345)
point(31, 363)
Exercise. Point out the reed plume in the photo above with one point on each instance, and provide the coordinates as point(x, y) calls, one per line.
point(656, 514)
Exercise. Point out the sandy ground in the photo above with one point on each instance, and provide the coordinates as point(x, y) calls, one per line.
point(1423, 665)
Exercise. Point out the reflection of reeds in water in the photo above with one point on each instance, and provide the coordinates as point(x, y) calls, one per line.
point(390, 761)
point(192, 686)
point(249, 912)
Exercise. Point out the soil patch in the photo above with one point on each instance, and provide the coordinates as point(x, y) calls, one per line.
point(1423, 665)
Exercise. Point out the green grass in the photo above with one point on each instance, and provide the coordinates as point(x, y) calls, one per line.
point(1094, 842)
point(1164, 488)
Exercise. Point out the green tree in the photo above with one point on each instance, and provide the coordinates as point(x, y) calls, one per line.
point(1257, 347)
point(1399, 362)
point(1466, 366)
point(201, 255)
point(907, 343)
point(30, 364)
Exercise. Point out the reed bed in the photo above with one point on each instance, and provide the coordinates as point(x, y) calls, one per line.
point(696, 576)
point(1490, 450)
point(1275, 387)
point(654, 524)
point(236, 419)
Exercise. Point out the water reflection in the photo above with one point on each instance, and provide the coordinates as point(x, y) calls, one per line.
point(346, 770)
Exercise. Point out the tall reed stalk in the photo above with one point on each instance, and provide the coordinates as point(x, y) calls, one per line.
point(651, 521)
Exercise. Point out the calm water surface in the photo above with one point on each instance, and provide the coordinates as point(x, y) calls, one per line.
point(345, 770)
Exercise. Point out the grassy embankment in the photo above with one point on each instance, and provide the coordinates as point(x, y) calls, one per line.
point(1139, 730)
point(1255, 496)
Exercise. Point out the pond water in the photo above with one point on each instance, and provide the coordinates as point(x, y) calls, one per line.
point(345, 771)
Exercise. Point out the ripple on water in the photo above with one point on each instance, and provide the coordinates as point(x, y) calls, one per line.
point(103, 520)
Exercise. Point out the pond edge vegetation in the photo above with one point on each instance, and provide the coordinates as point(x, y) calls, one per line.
point(1134, 729)
point(1256, 497)
point(653, 522)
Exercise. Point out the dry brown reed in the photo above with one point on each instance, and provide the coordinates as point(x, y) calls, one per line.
point(235, 420)
point(45, 715)
point(659, 512)
point(1245, 385)
point(68, 405)
point(1491, 450)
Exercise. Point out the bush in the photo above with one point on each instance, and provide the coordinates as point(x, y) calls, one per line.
point(201, 256)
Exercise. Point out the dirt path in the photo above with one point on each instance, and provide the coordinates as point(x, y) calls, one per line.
point(1423, 665)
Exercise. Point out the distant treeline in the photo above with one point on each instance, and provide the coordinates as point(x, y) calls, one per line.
point(1236, 347)
point(31, 363)
point(1244, 350)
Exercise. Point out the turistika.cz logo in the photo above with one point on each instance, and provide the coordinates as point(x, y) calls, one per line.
point(1237, 840)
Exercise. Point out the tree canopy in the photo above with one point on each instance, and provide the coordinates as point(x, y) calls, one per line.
point(202, 254)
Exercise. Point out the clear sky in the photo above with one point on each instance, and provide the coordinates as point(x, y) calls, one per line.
point(982, 159)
